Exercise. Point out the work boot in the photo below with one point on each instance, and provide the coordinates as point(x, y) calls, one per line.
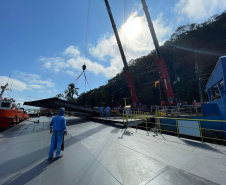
point(51, 157)
point(61, 155)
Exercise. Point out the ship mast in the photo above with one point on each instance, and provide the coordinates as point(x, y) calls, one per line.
point(3, 90)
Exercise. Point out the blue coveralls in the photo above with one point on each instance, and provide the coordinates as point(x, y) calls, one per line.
point(101, 109)
point(59, 128)
point(107, 112)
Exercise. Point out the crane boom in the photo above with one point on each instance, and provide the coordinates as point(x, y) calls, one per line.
point(126, 68)
point(159, 61)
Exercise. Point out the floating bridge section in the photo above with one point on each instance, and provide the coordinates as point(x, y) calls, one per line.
point(55, 103)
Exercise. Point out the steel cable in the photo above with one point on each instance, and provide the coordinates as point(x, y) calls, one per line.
point(87, 29)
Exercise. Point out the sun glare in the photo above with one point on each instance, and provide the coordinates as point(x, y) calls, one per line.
point(133, 27)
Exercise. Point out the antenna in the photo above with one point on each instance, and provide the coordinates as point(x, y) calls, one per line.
point(9, 76)
point(11, 86)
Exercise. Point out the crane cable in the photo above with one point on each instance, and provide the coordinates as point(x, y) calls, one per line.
point(87, 39)
point(87, 29)
point(85, 47)
point(125, 12)
point(86, 81)
point(76, 80)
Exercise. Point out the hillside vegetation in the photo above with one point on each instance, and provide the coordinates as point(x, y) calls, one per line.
point(208, 37)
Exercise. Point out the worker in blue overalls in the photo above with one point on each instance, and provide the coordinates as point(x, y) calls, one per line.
point(107, 110)
point(58, 129)
point(101, 110)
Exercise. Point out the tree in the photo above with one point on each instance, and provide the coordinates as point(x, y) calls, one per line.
point(70, 92)
point(60, 96)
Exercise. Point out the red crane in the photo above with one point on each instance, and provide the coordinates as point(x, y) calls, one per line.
point(129, 79)
point(159, 61)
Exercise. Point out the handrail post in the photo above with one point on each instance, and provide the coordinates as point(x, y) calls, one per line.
point(178, 134)
point(123, 115)
point(136, 120)
point(160, 126)
point(126, 121)
point(200, 130)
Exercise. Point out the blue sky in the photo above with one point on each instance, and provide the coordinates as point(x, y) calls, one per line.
point(42, 42)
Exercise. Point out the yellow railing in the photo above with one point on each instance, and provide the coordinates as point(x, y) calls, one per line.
point(195, 110)
point(144, 117)
point(134, 116)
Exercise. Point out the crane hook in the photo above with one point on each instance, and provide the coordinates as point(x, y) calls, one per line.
point(84, 67)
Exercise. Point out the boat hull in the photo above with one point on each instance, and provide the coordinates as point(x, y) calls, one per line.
point(5, 114)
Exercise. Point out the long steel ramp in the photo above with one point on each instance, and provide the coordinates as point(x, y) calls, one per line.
point(55, 103)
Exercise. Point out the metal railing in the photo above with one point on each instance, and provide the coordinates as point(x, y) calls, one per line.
point(194, 110)
point(169, 124)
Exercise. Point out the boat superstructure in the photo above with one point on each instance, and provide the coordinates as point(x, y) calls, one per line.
point(10, 112)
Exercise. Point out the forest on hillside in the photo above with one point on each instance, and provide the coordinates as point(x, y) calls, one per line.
point(205, 42)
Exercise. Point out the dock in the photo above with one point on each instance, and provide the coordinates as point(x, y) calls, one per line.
point(106, 154)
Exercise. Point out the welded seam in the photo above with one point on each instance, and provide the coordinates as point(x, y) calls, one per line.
point(104, 168)
point(159, 173)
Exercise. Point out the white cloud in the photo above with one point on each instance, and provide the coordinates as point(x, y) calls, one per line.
point(141, 45)
point(56, 63)
point(198, 10)
point(36, 86)
point(13, 84)
point(137, 7)
point(33, 79)
point(94, 67)
point(20, 99)
point(72, 51)
point(107, 48)
point(49, 85)
point(71, 73)
point(48, 65)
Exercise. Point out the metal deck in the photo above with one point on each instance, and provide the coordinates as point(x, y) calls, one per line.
point(99, 154)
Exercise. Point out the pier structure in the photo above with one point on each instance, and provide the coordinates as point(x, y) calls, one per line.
point(100, 154)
